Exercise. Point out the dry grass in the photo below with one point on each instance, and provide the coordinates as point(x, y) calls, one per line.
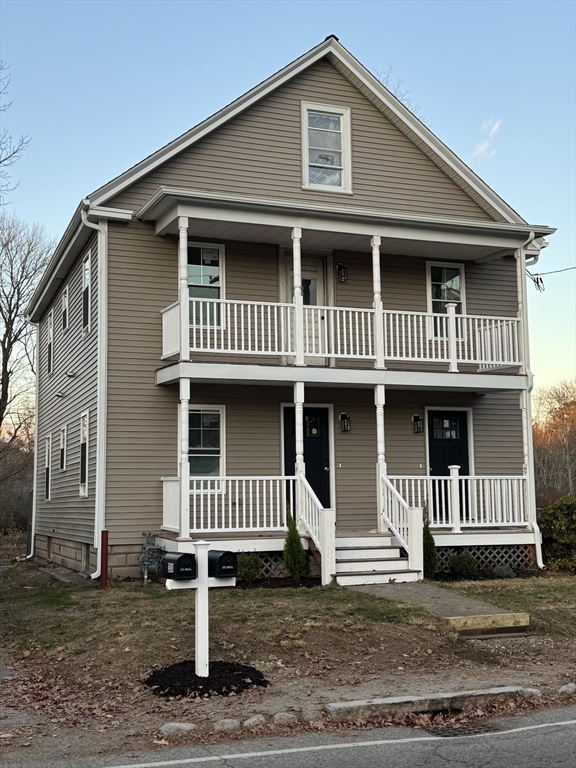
point(12, 545)
point(550, 600)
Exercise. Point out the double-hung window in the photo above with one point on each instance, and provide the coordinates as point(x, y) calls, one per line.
point(205, 283)
point(48, 467)
point(205, 445)
point(65, 308)
point(445, 285)
point(63, 435)
point(86, 294)
point(84, 427)
point(50, 349)
point(326, 161)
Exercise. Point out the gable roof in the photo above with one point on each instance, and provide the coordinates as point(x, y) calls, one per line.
point(371, 88)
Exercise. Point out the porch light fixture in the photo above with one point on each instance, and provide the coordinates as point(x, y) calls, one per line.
point(342, 271)
point(418, 422)
point(345, 424)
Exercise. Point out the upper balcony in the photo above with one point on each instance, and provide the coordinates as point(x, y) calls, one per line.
point(298, 335)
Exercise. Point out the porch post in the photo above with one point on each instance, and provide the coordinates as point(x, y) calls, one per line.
point(184, 473)
point(452, 353)
point(455, 496)
point(183, 292)
point(381, 468)
point(298, 298)
point(300, 467)
point(378, 306)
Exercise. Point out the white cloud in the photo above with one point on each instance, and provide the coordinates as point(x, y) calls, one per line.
point(490, 129)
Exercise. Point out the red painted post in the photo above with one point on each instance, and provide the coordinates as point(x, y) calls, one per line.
point(104, 559)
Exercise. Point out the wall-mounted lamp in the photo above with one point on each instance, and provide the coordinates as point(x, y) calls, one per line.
point(418, 422)
point(342, 271)
point(345, 424)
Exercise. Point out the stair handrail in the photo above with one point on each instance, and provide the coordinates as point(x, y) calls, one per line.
point(406, 523)
point(320, 525)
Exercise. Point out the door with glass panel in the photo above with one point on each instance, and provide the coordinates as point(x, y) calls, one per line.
point(313, 295)
point(204, 286)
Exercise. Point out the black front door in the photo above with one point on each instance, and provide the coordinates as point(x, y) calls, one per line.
point(447, 441)
point(316, 449)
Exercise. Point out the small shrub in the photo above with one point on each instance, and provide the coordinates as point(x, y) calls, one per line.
point(503, 572)
point(295, 559)
point(430, 554)
point(463, 566)
point(249, 566)
point(557, 523)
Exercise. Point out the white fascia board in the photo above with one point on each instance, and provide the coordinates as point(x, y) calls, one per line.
point(283, 375)
point(469, 538)
point(98, 212)
point(211, 123)
point(168, 203)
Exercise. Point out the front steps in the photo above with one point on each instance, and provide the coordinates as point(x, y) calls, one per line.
point(370, 559)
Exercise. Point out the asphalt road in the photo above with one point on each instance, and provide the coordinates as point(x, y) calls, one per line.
point(546, 739)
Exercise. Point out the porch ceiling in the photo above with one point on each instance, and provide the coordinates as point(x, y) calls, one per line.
point(216, 216)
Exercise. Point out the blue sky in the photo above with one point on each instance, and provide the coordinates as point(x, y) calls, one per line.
point(98, 85)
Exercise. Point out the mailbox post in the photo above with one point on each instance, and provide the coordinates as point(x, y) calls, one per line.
point(224, 569)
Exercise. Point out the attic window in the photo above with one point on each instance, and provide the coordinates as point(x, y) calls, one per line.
point(326, 161)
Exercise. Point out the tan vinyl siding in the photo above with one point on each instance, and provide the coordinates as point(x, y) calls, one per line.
point(74, 353)
point(259, 152)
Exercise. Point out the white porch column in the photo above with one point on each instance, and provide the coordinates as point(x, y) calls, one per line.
point(452, 352)
point(381, 468)
point(184, 465)
point(183, 293)
point(455, 496)
point(298, 299)
point(299, 467)
point(378, 306)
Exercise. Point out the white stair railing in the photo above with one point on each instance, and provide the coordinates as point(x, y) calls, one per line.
point(320, 524)
point(406, 523)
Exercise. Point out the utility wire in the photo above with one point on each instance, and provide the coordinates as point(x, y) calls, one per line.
point(537, 277)
point(554, 272)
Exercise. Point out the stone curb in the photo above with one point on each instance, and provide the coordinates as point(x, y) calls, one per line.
point(463, 700)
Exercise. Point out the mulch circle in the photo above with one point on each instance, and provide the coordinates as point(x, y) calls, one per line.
point(224, 678)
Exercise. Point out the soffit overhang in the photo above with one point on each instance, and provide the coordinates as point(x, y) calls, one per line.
point(218, 216)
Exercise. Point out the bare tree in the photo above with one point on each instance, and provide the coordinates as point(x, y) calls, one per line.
point(396, 86)
point(24, 254)
point(555, 440)
point(11, 149)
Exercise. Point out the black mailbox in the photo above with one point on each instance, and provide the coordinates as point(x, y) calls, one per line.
point(176, 565)
point(221, 565)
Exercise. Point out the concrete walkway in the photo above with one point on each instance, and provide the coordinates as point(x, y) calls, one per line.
point(464, 613)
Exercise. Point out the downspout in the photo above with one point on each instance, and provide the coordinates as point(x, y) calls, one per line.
point(102, 382)
point(525, 397)
point(36, 433)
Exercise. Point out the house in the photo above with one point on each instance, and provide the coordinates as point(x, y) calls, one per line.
point(306, 304)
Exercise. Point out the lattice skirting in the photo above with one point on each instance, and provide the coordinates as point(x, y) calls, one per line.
point(521, 557)
point(273, 565)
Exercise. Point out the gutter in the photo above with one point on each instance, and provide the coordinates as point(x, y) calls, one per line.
point(102, 382)
point(30, 554)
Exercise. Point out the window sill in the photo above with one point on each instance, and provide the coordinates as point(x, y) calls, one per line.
point(326, 188)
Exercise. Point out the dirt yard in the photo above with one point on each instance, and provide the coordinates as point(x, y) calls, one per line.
point(80, 655)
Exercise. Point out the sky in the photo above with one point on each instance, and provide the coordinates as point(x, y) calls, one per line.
point(98, 85)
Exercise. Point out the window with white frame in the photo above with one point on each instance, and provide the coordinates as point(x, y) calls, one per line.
point(65, 318)
point(84, 427)
point(86, 293)
point(50, 349)
point(63, 436)
point(205, 282)
point(205, 443)
point(47, 467)
point(445, 283)
point(326, 147)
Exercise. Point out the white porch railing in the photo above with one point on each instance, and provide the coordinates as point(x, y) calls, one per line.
point(261, 328)
point(171, 503)
point(320, 524)
point(171, 330)
point(241, 327)
point(338, 332)
point(480, 501)
point(405, 522)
